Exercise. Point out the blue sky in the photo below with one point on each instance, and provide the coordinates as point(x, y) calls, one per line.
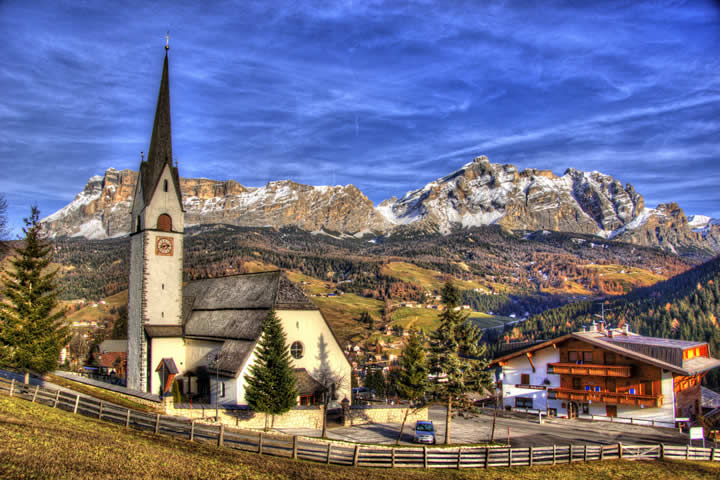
point(384, 95)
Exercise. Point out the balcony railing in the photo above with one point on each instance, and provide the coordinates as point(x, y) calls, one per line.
point(590, 369)
point(612, 398)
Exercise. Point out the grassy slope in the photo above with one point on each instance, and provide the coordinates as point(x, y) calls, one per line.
point(39, 442)
point(342, 313)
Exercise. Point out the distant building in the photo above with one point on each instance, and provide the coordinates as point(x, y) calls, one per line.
point(607, 372)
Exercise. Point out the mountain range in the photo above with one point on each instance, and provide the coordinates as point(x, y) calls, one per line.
point(479, 193)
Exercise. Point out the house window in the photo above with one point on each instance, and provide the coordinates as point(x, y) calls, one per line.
point(525, 379)
point(576, 383)
point(297, 350)
point(580, 357)
point(523, 402)
point(164, 223)
point(165, 186)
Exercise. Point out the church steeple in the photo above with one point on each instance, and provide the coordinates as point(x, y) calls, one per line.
point(160, 152)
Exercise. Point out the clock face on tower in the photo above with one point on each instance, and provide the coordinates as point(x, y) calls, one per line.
point(164, 246)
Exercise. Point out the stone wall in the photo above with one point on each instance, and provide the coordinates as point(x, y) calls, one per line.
point(300, 417)
point(361, 415)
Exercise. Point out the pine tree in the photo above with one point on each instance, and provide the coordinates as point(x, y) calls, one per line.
point(32, 323)
point(270, 384)
point(458, 359)
point(412, 382)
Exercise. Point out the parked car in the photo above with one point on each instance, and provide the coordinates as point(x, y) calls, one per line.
point(424, 432)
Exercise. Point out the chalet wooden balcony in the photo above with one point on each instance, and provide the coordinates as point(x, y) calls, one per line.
point(612, 398)
point(590, 369)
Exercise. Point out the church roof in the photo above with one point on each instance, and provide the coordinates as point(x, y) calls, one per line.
point(232, 309)
point(160, 152)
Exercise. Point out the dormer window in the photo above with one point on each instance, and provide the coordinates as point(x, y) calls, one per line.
point(164, 223)
point(165, 186)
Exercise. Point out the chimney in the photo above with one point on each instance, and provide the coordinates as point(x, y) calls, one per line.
point(593, 327)
point(601, 326)
point(626, 329)
point(609, 333)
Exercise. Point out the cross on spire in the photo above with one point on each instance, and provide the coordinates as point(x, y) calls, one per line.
point(167, 40)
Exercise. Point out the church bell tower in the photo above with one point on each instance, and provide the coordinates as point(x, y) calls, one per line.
point(156, 255)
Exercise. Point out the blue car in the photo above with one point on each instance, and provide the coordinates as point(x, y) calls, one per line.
point(424, 432)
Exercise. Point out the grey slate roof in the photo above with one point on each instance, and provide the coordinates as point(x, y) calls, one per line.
point(232, 309)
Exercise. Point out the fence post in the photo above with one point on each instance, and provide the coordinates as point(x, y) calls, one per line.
point(12, 386)
point(530, 456)
point(425, 459)
point(294, 451)
point(662, 451)
point(712, 454)
point(392, 457)
point(192, 429)
point(157, 422)
point(101, 409)
point(127, 419)
point(261, 439)
point(602, 451)
point(687, 451)
point(585, 453)
point(554, 453)
point(487, 457)
point(570, 454)
point(632, 421)
point(57, 396)
point(356, 455)
point(620, 450)
point(653, 422)
point(37, 387)
point(221, 435)
point(459, 458)
point(77, 401)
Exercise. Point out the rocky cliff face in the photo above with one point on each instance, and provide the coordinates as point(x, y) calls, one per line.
point(102, 209)
point(480, 193)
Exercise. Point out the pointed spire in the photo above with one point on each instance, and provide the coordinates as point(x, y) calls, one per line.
point(160, 151)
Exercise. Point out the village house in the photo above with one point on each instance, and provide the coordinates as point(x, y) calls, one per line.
point(607, 372)
point(203, 335)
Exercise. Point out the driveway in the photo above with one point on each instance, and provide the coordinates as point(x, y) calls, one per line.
point(523, 431)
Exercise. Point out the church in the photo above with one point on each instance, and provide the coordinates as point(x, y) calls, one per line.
point(203, 334)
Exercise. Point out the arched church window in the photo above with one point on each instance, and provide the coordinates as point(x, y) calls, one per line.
point(164, 223)
point(297, 350)
point(165, 186)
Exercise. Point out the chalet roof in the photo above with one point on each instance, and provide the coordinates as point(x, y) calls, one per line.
point(226, 324)
point(710, 398)
point(660, 352)
point(160, 151)
point(113, 359)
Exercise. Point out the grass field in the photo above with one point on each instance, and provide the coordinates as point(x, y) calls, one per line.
point(628, 277)
point(342, 313)
point(428, 279)
point(484, 320)
point(41, 443)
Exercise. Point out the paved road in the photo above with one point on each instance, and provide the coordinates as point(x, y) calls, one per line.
point(524, 431)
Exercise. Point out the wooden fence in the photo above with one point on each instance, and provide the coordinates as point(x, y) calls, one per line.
point(344, 453)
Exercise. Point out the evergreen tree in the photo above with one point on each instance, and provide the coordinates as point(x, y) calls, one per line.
point(32, 323)
point(412, 381)
point(457, 357)
point(270, 384)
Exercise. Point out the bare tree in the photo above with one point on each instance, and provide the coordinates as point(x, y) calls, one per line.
point(330, 380)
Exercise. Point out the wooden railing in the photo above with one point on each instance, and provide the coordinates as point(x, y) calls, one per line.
point(589, 369)
point(348, 454)
point(613, 398)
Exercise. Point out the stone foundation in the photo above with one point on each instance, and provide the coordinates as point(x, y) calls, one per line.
point(361, 415)
point(302, 417)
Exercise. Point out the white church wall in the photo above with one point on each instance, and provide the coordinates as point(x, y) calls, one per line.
point(165, 348)
point(228, 394)
point(310, 328)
